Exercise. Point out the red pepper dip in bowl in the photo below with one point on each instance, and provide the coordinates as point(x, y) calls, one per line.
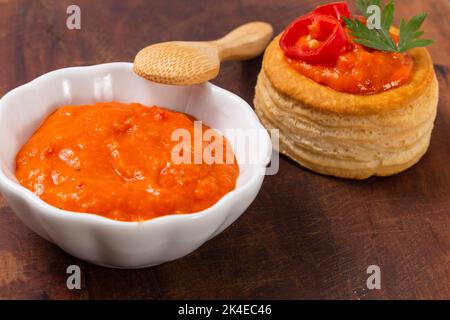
point(100, 179)
point(116, 160)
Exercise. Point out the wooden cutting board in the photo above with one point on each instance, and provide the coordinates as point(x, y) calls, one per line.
point(306, 236)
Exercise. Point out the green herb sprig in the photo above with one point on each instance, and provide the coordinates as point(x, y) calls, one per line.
point(380, 39)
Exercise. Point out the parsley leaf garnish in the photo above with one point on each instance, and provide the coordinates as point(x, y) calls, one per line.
point(380, 39)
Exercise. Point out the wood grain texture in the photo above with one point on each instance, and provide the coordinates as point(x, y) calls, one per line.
point(306, 236)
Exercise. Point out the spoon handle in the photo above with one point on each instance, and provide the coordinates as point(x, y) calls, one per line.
point(245, 42)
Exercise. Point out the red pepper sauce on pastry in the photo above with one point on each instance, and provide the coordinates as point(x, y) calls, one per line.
point(349, 101)
point(321, 47)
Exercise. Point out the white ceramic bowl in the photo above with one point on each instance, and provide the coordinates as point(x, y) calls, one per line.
point(100, 240)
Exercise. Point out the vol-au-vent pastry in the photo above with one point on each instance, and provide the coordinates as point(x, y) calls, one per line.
point(349, 101)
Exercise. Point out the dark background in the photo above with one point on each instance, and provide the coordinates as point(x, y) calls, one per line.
point(306, 236)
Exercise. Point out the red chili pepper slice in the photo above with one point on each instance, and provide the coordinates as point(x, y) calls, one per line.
point(314, 38)
point(339, 10)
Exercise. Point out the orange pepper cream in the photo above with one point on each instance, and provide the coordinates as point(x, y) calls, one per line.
point(358, 70)
point(116, 160)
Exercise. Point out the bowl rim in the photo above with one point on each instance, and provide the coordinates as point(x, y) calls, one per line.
point(86, 217)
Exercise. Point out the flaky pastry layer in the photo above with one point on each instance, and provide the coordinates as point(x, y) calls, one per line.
point(345, 135)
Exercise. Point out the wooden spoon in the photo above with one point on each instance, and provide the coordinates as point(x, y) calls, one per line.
point(186, 63)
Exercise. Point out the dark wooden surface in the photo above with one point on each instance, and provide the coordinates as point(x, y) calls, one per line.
point(306, 236)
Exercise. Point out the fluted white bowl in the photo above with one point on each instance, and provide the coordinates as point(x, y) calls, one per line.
point(108, 242)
